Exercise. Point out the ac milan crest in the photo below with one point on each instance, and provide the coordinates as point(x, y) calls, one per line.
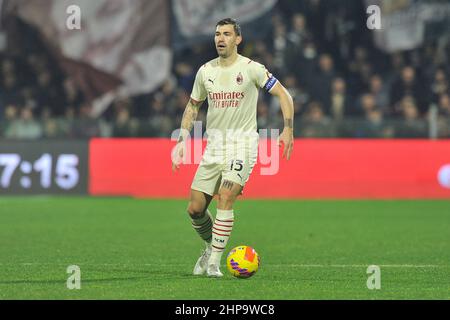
point(239, 79)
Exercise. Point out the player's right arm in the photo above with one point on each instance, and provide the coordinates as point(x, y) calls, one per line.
point(190, 114)
point(187, 122)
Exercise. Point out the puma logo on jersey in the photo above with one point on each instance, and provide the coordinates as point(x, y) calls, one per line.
point(239, 176)
point(212, 81)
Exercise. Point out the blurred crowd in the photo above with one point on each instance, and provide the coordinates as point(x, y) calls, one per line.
point(37, 101)
point(342, 85)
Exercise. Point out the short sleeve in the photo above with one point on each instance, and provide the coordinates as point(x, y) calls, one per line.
point(263, 78)
point(198, 91)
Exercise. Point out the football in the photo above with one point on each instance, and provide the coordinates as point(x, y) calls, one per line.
point(243, 262)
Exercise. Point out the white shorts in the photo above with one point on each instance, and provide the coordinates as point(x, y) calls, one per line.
point(233, 163)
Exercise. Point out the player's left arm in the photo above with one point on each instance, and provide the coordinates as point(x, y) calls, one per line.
point(287, 108)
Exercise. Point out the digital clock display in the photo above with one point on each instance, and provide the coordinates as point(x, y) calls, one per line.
point(43, 167)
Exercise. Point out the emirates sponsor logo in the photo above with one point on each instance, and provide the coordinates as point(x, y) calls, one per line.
point(226, 99)
point(226, 95)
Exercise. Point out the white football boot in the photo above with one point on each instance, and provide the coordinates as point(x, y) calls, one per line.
point(202, 262)
point(213, 271)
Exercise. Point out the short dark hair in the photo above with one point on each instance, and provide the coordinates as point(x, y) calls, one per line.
point(233, 22)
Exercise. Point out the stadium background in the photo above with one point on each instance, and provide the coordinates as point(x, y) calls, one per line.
point(91, 112)
point(129, 71)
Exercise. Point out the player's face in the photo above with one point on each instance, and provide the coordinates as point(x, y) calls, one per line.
point(226, 40)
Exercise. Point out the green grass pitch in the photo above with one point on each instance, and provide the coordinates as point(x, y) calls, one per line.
point(146, 249)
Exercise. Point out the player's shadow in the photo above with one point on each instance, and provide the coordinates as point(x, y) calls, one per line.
point(157, 273)
point(163, 273)
point(160, 273)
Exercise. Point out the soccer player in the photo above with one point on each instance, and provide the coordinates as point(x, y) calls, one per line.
point(230, 83)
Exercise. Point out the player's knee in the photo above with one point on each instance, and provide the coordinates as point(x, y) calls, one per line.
point(196, 209)
point(226, 197)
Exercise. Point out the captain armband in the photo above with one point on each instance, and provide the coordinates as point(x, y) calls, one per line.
point(270, 83)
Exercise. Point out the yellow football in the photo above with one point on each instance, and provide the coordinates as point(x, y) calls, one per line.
point(243, 262)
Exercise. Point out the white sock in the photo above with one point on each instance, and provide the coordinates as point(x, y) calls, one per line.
point(223, 225)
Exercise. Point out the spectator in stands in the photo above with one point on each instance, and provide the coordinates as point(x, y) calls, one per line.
point(10, 92)
point(11, 112)
point(322, 79)
point(368, 103)
point(374, 126)
point(27, 96)
point(185, 75)
point(169, 92)
point(302, 98)
point(85, 126)
point(371, 125)
point(444, 105)
point(25, 128)
point(411, 126)
point(443, 120)
point(49, 94)
point(357, 69)
point(356, 64)
point(443, 127)
point(9, 115)
point(72, 96)
point(263, 116)
point(298, 32)
point(8, 66)
point(158, 124)
point(408, 85)
point(315, 10)
point(37, 62)
point(397, 63)
point(279, 47)
point(297, 42)
point(67, 122)
point(341, 104)
point(380, 92)
point(51, 130)
point(305, 62)
point(182, 98)
point(315, 123)
point(124, 125)
point(440, 85)
point(49, 125)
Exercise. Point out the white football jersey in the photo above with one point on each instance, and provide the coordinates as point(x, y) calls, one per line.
point(232, 94)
